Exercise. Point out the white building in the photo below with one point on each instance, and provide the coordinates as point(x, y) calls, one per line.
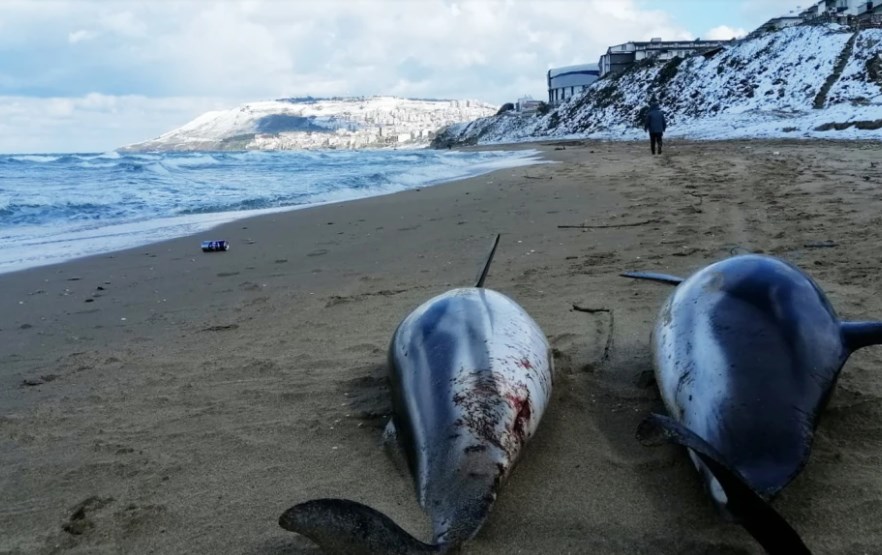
point(870, 7)
point(621, 56)
point(841, 9)
point(565, 82)
point(527, 104)
point(844, 7)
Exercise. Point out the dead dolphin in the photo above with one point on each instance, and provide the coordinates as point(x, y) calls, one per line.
point(746, 354)
point(471, 376)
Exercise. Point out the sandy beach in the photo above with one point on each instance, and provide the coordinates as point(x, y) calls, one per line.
point(162, 400)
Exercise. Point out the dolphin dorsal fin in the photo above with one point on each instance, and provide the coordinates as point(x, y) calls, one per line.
point(861, 334)
point(344, 526)
point(654, 276)
point(486, 268)
point(760, 520)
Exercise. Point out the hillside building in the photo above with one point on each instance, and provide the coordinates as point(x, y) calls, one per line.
point(566, 82)
point(870, 8)
point(621, 56)
point(841, 9)
point(527, 104)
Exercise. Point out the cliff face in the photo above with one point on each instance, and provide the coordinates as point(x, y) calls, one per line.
point(301, 123)
point(805, 81)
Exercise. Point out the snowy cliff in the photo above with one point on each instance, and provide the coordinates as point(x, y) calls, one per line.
point(299, 123)
point(806, 81)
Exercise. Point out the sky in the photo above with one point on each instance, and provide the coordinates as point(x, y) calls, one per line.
point(94, 75)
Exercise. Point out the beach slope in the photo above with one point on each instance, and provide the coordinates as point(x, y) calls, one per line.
point(162, 400)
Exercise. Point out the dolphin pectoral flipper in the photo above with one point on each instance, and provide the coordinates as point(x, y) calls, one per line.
point(390, 435)
point(344, 527)
point(654, 276)
point(392, 446)
point(760, 520)
point(486, 268)
point(861, 334)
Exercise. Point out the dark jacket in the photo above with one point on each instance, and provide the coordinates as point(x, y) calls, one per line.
point(655, 120)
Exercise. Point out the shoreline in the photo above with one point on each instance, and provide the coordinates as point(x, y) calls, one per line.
point(179, 401)
point(173, 227)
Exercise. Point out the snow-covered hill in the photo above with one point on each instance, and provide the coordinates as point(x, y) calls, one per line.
point(298, 123)
point(806, 81)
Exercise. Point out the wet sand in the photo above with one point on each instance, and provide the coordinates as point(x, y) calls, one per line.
point(162, 400)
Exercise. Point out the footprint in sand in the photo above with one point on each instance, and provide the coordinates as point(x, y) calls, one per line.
point(249, 286)
point(365, 348)
point(80, 520)
point(368, 396)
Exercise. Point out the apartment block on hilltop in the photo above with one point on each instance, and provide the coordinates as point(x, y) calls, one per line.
point(831, 9)
point(846, 7)
point(621, 56)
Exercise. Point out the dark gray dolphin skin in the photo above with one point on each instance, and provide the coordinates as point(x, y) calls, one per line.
point(470, 377)
point(746, 354)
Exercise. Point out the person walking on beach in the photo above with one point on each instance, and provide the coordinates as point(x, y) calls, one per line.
point(655, 123)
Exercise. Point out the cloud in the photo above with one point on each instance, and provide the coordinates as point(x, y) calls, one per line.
point(125, 24)
point(265, 48)
point(80, 36)
point(93, 122)
point(724, 32)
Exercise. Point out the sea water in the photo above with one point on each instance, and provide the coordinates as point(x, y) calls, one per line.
point(59, 207)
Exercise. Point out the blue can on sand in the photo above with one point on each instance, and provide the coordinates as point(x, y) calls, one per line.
point(215, 246)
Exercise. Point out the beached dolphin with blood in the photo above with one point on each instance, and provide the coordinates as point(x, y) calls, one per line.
point(470, 376)
point(746, 354)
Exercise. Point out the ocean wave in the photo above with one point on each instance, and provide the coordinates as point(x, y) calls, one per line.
point(250, 156)
point(198, 161)
point(87, 164)
point(241, 206)
point(36, 158)
point(55, 213)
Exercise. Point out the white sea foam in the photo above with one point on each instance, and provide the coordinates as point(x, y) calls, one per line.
point(36, 158)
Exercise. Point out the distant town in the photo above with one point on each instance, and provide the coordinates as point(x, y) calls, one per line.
point(310, 123)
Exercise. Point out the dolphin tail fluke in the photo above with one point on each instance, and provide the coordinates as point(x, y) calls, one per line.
point(861, 334)
point(654, 276)
point(486, 267)
point(760, 520)
point(340, 526)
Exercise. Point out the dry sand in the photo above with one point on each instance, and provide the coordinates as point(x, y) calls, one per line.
point(162, 400)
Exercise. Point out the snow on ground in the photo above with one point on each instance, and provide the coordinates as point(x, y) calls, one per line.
point(855, 82)
point(762, 87)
